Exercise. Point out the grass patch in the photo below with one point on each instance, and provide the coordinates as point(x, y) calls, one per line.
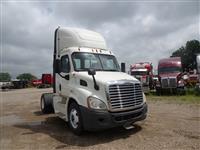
point(190, 91)
point(188, 98)
point(192, 95)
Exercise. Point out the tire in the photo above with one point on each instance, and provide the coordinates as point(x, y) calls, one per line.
point(46, 103)
point(158, 91)
point(74, 119)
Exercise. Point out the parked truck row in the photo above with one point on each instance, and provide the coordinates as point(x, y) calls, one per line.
point(45, 82)
point(169, 78)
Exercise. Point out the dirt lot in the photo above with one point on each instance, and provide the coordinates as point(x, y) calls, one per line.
point(169, 125)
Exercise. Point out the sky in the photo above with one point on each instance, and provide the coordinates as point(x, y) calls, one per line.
point(135, 31)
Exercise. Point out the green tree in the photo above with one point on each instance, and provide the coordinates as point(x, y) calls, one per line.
point(5, 77)
point(26, 76)
point(188, 54)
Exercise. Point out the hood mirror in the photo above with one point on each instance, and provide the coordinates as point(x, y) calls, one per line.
point(92, 72)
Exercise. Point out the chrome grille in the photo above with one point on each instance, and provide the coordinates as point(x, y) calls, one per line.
point(172, 82)
point(125, 96)
point(164, 83)
point(169, 82)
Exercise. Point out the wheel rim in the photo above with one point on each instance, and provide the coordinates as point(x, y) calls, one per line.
point(42, 103)
point(74, 118)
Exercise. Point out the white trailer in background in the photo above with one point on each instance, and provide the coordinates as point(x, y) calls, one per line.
point(90, 92)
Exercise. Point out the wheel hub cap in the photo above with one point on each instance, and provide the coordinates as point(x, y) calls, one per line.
point(74, 119)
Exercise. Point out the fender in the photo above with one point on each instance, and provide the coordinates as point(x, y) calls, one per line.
point(80, 96)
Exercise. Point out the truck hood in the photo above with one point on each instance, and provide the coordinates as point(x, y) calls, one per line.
point(165, 75)
point(103, 79)
point(105, 76)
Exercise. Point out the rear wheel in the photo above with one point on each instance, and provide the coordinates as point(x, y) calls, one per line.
point(74, 118)
point(46, 103)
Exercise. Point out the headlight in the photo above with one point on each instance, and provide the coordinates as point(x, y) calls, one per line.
point(144, 97)
point(157, 83)
point(180, 83)
point(96, 103)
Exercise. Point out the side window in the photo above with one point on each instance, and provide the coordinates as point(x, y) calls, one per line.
point(77, 63)
point(64, 65)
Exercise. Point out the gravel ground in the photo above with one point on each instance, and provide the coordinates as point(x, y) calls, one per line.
point(23, 126)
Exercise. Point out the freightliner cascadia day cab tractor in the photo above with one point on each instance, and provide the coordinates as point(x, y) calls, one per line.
point(170, 76)
point(89, 91)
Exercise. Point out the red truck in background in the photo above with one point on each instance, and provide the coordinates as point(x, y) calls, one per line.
point(143, 71)
point(47, 79)
point(170, 76)
point(44, 82)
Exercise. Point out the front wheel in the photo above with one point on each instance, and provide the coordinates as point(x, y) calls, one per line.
point(74, 118)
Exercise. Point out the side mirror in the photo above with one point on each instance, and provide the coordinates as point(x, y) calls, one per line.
point(91, 72)
point(57, 66)
point(123, 67)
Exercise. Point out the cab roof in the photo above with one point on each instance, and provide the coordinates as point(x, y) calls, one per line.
point(172, 61)
point(75, 37)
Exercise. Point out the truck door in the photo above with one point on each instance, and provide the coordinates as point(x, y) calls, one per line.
point(63, 83)
point(65, 75)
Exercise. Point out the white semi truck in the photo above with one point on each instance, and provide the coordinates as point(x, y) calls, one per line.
point(89, 91)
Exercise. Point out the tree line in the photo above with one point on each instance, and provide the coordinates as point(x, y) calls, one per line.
point(6, 77)
point(188, 54)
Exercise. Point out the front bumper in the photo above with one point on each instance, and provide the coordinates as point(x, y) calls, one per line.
point(99, 120)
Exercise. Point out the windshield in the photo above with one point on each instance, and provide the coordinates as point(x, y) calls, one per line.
point(169, 70)
point(84, 61)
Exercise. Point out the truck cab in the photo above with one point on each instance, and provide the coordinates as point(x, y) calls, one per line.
point(170, 76)
point(89, 91)
point(143, 71)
